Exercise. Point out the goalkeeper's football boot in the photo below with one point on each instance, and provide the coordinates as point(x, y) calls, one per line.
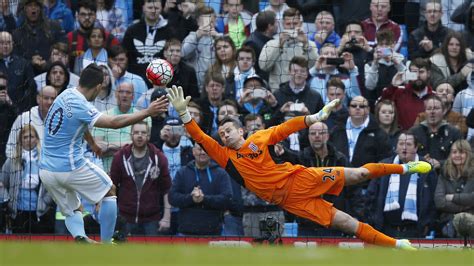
point(405, 244)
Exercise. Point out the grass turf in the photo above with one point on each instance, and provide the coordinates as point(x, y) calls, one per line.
point(66, 253)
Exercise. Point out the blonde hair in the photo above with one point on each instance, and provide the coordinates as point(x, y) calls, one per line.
point(450, 170)
point(19, 143)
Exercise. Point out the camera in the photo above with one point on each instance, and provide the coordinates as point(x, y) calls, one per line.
point(352, 41)
point(270, 230)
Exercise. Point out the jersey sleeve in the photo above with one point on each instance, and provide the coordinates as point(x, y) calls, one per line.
point(282, 131)
point(213, 149)
point(86, 113)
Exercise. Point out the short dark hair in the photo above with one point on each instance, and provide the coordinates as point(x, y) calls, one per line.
point(291, 12)
point(60, 46)
point(87, 4)
point(171, 42)
point(246, 49)
point(115, 50)
point(236, 122)
point(436, 98)
point(409, 133)
point(385, 36)
point(298, 60)
point(91, 76)
point(264, 19)
point(421, 63)
point(212, 76)
point(142, 122)
point(335, 82)
point(252, 117)
point(229, 102)
point(353, 22)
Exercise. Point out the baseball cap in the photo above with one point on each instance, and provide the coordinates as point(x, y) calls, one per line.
point(157, 93)
point(256, 77)
point(173, 121)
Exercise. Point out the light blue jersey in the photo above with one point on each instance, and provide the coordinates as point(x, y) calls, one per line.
point(69, 116)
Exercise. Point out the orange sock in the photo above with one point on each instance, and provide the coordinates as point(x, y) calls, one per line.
point(369, 235)
point(381, 169)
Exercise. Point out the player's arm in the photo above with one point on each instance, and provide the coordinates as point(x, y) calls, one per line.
point(156, 107)
point(180, 104)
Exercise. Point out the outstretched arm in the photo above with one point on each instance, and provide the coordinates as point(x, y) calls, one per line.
point(156, 107)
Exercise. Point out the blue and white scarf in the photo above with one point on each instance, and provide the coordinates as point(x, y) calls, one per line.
point(100, 59)
point(393, 192)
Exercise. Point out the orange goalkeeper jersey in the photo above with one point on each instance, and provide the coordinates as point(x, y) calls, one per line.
point(252, 165)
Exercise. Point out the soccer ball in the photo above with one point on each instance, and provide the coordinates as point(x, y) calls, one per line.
point(159, 72)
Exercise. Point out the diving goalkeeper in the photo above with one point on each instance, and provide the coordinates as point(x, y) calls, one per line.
point(295, 188)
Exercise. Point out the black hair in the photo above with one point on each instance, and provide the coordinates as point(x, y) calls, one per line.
point(236, 122)
point(91, 76)
point(66, 73)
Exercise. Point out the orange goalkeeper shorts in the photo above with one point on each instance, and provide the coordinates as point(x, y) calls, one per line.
point(303, 195)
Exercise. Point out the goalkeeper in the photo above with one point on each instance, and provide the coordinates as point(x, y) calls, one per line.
point(295, 188)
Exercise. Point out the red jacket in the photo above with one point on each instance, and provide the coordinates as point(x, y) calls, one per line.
point(370, 31)
point(407, 102)
point(143, 207)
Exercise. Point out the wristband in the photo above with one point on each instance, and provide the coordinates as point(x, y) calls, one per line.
point(185, 117)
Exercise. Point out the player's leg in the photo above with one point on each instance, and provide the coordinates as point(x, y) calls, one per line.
point(376, 170)
point(348, 224)
point(108, 215)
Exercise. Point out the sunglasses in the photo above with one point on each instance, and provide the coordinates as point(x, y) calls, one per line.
point(3, 87)
point(361, 106)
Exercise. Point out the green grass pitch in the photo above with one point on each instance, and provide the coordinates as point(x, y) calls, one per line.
point(68, 253)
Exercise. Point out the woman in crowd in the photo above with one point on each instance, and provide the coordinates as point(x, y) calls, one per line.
point(111, 18)
point(386, 116)
point(225, 63)
point(450, 63)
point(58, 76)
point(28, 200)
point(96, 52)
point(455, 190)
point(106, 98)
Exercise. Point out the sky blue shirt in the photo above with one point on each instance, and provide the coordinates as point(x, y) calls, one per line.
point(69, 116)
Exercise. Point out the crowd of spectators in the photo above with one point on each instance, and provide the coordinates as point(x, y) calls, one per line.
point(403, 72)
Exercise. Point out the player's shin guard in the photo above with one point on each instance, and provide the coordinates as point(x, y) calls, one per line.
point(75, 224)
point(369, 235)
point(377, 170)
point(107, 218)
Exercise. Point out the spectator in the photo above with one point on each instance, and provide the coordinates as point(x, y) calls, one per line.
point(278, 7)
point(424, 40)
point(335, 89)
point(140, 171)
point(236, 23)
point(111, 18)
point(378, 21)
point(227, 107)
point(325, 32)
point(8, 116)
point(34, 117)
point(386, 116)
point(254, 208)
point(464, 101)
point(225, 54)
point(21, 87)
point(354, 42)
point(295, 95)
point(106, 98)
point(409, 98)
point(118, 62)
point(58, 77)
point(435, 136)
point(266, 28)
point(257, 99)
point(36, 34)
point(386, 63)
point(30, 206)
point(58, 11)
point(327, 67)
point(245, 58)
point(112, 140)
point(145, 40)
point(7, 19)
point(350, 10)
point(202, 191)
point(198, 46)
point(277, 53)
point(403, 205)
point(181, 16)
point(451, 62)
point(360, 138)
point(321, 153)
point(454, 192)
point(446, 92)
point(463, 14)
point(96, 52)
point(184, 75)
point(59, 52)
point(77, 40)
point(214, 88)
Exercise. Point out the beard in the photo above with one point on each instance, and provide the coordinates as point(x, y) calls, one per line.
point(418, 85)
